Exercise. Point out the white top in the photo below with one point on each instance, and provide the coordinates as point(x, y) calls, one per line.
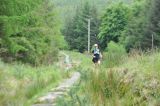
point(96, 51)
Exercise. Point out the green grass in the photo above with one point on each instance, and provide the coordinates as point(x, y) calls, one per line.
point(135, 81)
point(20, 83)
point(132, 82)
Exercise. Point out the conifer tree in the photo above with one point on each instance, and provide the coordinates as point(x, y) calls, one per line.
point(153, 27)
point(76, 28)
point(29, 31)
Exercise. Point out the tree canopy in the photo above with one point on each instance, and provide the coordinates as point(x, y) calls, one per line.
point(76, 28)
point(113, 23)
point(29, 30)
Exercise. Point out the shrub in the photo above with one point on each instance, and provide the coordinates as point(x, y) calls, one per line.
point(115, 54)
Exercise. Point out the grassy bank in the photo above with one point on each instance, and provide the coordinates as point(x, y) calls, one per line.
point(20, 83)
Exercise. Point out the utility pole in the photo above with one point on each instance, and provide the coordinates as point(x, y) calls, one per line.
point(152, 42)
point(89, 35)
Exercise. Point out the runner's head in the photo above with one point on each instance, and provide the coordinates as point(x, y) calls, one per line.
point(96, 45)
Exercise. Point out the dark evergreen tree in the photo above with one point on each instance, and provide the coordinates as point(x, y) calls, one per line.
point(153, 27)
point(138, 32)
point(132, 35)
point(29, 31)
point(76, 28)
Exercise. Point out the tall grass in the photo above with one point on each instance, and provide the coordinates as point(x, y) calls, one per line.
point(115, 55)
point(134, 81)
point(19, 83)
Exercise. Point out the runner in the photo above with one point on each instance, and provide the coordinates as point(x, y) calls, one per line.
point(96, 55)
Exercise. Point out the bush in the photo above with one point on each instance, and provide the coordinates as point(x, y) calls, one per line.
point(115, 54)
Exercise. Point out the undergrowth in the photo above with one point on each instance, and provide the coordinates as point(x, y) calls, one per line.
point(133, 82)
point(19, 83)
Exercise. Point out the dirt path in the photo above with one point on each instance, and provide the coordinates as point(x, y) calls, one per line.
point(50, 98)
point(53, 94)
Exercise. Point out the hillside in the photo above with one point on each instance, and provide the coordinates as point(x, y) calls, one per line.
point(68, 7)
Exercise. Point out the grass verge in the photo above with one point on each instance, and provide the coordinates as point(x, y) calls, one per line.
point(20, 83)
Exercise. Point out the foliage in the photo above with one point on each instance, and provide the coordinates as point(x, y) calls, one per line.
point(142, 25)
point(30, 31)
point(113, 23)
point(19, 83)
point(76, 28)
point(114, 55)
point(132, 36)
point(153, 26)
point(67, 8)
point(134, 82)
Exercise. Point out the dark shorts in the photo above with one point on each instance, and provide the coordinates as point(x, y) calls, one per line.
point(96, 58)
